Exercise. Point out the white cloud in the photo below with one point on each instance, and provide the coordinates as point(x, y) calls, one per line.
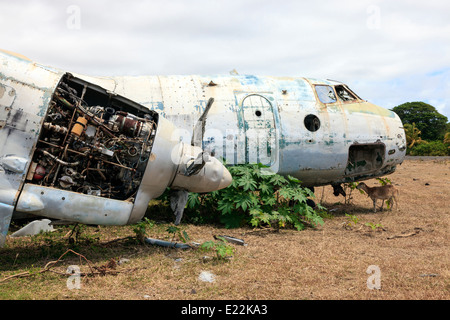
point(388, 51)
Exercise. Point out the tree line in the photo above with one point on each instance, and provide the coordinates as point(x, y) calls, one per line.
point(427, 131)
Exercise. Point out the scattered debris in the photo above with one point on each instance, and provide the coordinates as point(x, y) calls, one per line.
point(122, 261)
point(231, 240)
point(195, 244)
point(405, 235)
point(206, 276)
point(62, 222)
point(207, 258)
point(167, 243)
point(108, 268)
point(33, 228)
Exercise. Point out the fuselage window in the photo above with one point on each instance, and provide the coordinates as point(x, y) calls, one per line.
point(312, 123)
point(326, 94)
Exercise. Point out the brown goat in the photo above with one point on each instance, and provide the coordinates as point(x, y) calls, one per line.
point(386, 192)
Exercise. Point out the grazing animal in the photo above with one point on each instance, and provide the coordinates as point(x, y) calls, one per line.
point(386, 192)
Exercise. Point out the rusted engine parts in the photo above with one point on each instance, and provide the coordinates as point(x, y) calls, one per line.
point(93, 143)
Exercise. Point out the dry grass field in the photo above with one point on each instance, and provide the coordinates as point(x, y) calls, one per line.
point(410, 247)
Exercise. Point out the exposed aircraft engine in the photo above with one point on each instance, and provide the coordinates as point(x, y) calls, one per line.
point(92, 144)
point(100, 158)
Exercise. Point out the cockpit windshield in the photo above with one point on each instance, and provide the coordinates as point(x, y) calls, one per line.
point(326, 94)
point(344, 94)
point(331, 94)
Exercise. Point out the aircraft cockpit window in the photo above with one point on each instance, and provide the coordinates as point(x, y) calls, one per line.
point(325, 94)
point(344, 94)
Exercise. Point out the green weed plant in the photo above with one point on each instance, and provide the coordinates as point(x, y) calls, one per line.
point(258, 199)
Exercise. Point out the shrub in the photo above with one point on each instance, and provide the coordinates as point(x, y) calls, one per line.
point(257, 199)
point(221, 247)
point(434, 148)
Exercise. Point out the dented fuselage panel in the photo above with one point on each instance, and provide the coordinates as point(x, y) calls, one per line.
point(25, 92)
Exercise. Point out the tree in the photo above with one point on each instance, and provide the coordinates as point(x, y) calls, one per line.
point(427, 119)
point(412, 135)
point(447, 138)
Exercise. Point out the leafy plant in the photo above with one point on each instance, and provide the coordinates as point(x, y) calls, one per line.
point(351, 219)
point(77, 236)
point(258, 199)
point(221, 247)
point(384, 181)
point(178, 232)
point(140, 229)
point(374, 226)
point(349, 187)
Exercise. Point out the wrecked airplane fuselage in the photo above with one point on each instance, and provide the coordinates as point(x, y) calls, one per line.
point(96, 150)
point(318, 131)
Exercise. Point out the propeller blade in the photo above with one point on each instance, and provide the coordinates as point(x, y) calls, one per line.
point(199, 129)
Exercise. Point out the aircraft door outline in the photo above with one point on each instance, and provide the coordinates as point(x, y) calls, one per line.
point(257, 120)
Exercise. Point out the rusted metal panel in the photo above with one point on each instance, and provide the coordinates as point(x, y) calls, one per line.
point(25, 91)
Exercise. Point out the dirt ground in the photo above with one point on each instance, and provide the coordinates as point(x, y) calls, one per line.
point(411, 249)
point(404, 251)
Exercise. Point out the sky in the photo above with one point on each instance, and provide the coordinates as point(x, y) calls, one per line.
point(388, 52)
